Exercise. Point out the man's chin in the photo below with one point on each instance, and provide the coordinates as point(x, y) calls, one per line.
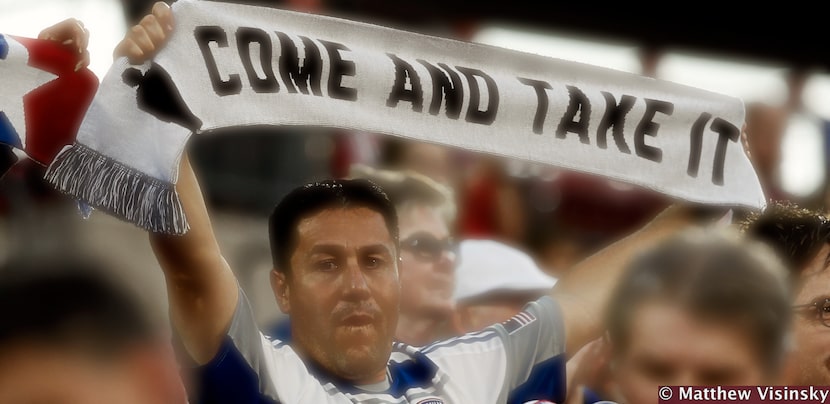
point(359, 342)
point(361, 362)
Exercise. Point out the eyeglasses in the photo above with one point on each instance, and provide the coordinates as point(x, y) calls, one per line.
point(818, 309)
point(428, 248)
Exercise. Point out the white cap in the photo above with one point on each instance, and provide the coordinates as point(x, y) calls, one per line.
point(487, 266)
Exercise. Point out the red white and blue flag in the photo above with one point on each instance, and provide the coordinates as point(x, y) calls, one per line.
point(43, 99)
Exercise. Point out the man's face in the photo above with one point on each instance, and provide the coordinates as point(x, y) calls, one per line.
point(812, 352)
point(343, 292)
point(667, 346)
point(427, 264)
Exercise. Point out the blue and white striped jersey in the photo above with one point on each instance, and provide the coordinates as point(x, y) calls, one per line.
point(482, 367)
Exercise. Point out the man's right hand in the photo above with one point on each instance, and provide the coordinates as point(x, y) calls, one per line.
point(144, 40)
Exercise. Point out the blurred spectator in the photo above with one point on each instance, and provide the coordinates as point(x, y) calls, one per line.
point(802, 238)
point(705, 308)
point(70, 335)
point(432, 160)
point(428, 253)
point(494, 282)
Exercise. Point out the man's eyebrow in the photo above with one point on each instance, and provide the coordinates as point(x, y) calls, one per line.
point(375, 249)
point(330, 249)
point(826, 261)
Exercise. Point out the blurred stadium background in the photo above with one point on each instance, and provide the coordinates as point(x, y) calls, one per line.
point(557, 216)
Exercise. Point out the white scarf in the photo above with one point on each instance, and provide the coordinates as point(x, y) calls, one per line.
point(234, 65)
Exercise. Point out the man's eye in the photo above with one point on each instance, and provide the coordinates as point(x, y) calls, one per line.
point(824, 311)
point(373, 262)
point(327, 265)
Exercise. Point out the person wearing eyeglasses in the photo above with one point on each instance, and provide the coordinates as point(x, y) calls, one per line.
point(705, 308)
point(494, 282)
point(802, 238)
point(428, 252)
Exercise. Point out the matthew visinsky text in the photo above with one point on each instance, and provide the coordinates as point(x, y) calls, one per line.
point(755, 394)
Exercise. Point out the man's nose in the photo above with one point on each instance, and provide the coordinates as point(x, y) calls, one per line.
point(356, 287)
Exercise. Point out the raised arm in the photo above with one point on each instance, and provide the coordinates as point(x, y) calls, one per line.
point(201, 287)
point(583, 293)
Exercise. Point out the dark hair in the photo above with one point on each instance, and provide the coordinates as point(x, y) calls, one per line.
point(68, 304)
point(712, 277)
point(313, 198)
point(796, 234)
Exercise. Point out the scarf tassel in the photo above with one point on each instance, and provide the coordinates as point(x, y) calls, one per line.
point(117, 189)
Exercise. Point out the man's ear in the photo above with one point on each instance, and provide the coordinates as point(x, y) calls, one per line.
point(279, 284)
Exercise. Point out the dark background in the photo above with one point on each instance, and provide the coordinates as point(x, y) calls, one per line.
point(789, 33)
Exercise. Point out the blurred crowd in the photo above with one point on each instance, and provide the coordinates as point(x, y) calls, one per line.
point(729, 297)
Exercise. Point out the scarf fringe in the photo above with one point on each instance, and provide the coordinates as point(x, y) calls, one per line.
point(115, 188)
